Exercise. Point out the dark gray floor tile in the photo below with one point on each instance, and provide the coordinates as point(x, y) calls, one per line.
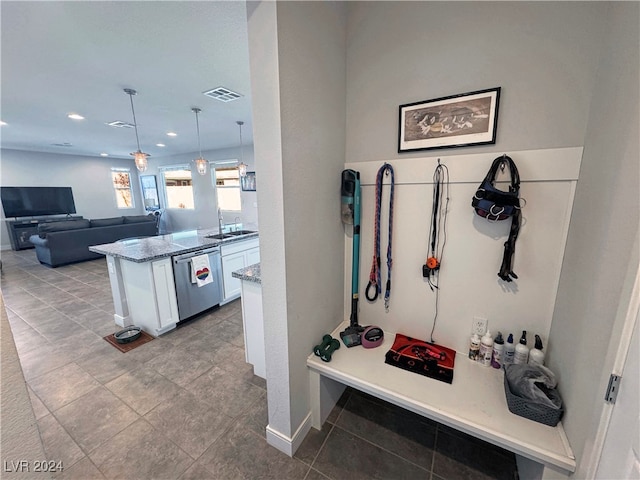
point(42, 360)
point(257, 417)
point(315, 475)
point(198, 472)
point(95, 418)
point(143, 389)
point(312, 443)
point(139, 451)
point(463, 457)
point(190, 423)
point(230, 332)
point(179, 366)
point(241, 454)
point(106, 363)
point(230, 395)
point(392, 428)
point(83, 470)
point(345, 456)
point(337, 409)
point(62, 386)
point(58, 445)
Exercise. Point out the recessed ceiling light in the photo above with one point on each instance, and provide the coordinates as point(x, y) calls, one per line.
point(172, 134)
point(3, 123)
point(103, 154)
point(160, 145)
point(75, 116)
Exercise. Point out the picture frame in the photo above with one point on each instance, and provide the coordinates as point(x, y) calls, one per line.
point(461, 120)
point(248, 182)
point(150, 197)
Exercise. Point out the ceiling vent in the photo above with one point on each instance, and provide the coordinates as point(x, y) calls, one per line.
point(120, 124)
point(222, 94)
point(65, 144)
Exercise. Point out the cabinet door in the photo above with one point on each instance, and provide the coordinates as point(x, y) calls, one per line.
point(253, 256)
point(231, 263)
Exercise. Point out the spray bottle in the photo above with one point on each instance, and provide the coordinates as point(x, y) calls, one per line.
point(522, 351)
point(536, 355)
point(486, 348)
point(498, 351)
point(509, 350)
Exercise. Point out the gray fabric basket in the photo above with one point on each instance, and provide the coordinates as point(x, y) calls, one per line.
point(537, 412)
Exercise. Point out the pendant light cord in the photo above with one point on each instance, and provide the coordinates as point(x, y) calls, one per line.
point(135, 122)
point(198, 130)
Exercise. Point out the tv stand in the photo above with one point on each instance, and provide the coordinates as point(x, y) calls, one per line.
point(21, 229)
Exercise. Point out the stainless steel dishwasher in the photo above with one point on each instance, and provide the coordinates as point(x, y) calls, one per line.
point(193, 299)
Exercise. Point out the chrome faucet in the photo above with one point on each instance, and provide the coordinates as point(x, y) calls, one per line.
point(235, 223)
point(220, 218)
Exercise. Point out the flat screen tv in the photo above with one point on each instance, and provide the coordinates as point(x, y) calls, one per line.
point(35, 201)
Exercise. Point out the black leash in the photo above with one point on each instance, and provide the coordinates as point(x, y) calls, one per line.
point(437, 234)
point(375, 280)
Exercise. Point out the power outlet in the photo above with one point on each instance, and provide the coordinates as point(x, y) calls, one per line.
point(479, 325)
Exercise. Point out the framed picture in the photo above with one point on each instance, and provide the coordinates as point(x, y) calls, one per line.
point(150, 192)
point(456, 121)
point(248, 182)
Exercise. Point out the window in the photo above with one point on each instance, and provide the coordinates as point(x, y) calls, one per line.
point(227, 181)
point(122, 185)
point(178, 187)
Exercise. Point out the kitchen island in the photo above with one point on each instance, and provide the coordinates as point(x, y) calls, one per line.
point(252, 321)
point(141, 272)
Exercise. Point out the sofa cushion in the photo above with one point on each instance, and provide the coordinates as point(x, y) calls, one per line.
point(107, 222)
point(139, 218)
point(43, 228)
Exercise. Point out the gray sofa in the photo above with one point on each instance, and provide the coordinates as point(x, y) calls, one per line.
point(61, 243)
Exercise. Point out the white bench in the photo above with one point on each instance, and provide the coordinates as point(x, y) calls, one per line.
point(474, 403)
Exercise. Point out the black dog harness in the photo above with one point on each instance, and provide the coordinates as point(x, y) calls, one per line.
point(496, 205)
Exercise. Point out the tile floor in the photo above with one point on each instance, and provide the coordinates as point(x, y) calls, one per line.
point(187, 406)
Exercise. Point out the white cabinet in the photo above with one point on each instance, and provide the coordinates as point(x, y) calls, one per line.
point(150, 295)
point(235, 256)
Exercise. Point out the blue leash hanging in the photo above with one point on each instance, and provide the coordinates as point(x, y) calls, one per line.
point(375, 280)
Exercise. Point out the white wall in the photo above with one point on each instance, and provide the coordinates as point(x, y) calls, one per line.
point(544, 55)
point(89, 178)
point(297, 52)
point(603, 227)
point(204, 215)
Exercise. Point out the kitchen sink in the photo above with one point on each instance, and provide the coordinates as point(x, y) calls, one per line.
point(240, 232)
point(220, 236)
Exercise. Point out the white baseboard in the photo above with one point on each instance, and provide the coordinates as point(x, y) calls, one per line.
point(286, 444)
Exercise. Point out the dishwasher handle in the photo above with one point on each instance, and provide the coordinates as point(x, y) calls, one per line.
point(188, 256)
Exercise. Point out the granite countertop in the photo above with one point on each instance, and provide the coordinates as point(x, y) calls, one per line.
point(250, 273)
point(141, 250)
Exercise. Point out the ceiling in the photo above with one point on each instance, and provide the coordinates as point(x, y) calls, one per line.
point(60, 58)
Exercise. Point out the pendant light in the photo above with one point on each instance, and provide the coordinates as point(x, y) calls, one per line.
point(201, 163)
point(242, 167)
point(139, 157)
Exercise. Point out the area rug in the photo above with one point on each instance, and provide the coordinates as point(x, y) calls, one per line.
point(125, 347)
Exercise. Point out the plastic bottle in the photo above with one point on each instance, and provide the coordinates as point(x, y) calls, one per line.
point(536, 355)
point(474, 347)
point(522, 351)
point(509, 350)
point(498, 351)
point(486, 349)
